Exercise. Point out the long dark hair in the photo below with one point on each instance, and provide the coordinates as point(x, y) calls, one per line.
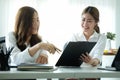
point(93, 11)
point(23, 27)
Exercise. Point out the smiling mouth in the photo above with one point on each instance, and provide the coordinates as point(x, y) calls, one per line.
point(86, 28)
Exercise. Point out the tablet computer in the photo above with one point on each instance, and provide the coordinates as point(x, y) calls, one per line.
point(71, 54)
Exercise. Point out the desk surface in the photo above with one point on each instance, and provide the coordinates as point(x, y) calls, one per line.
point(59, 73)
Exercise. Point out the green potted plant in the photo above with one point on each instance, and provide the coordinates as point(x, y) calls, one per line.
point(110, 36)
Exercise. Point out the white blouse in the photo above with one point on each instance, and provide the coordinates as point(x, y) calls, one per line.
point(17, 56)
point(98, 49)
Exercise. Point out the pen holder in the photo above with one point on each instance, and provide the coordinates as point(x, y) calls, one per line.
point(4, 56)
point(4, 63)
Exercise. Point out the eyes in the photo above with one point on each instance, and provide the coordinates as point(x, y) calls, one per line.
point(88, 20)
point(35, 20)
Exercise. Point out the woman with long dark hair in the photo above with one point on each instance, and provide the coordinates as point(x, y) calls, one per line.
point(28, 46)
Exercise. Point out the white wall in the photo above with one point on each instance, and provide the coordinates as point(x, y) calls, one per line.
point(117, 27)
point(3, 16)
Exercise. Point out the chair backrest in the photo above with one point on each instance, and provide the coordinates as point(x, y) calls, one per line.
point(2, 39)
point(2, 44)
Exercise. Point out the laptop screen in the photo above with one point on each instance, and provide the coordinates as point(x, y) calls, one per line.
point(72, 52)
point(115, 64)
point(117, 58)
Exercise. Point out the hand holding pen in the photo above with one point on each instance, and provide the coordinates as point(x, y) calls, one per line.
point(49, 47)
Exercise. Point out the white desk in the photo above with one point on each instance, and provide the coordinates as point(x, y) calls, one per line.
point(60, 73)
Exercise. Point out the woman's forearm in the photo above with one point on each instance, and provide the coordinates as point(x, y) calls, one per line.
point(32, 50)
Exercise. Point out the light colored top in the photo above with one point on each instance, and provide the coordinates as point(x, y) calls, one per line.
point(17, 56)
point(98, 49)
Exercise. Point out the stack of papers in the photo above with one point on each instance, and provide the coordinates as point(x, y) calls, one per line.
point(35, 67)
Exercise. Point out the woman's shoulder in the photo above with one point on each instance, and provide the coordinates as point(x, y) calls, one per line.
point(11, 35)
point(102, 36)
point(10, 39)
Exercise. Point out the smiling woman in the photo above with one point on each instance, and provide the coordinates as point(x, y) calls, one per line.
point(90, 33)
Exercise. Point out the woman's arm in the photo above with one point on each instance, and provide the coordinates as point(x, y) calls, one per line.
point(97, 51)
point(95, 56)
point(27, 55)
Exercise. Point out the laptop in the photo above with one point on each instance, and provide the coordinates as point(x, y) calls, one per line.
point(71, 54)
point(115, 66)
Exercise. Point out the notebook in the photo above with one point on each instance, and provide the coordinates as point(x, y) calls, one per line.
point(71, 54)
point(115, 64)
point(35, 67)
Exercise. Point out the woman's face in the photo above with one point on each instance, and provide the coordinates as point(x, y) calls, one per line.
point(36, 23)
point(88, 23)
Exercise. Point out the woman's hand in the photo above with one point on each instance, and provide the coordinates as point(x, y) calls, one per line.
point(43, 59)
point(88, 59)
point(49, 47)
